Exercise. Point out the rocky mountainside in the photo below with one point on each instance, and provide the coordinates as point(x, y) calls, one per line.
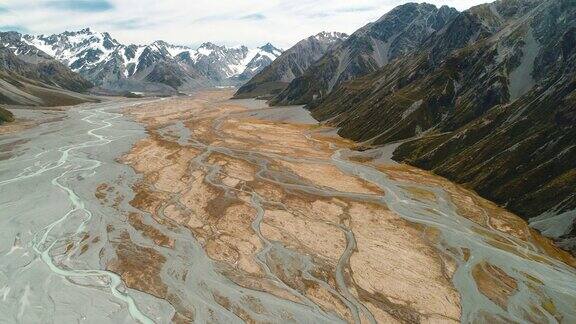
point(397, 33)
point(156, 67)
point(290, 65)
point(31, 77)
point(488, 101)
point(35, 64)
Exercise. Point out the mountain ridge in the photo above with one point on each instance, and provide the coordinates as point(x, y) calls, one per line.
point(395, 34)
point(155, 67)
point(290, 65)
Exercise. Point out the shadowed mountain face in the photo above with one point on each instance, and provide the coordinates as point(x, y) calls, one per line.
point(399, 32)
point(157, 67)
point(291, 64)
point(490, 100)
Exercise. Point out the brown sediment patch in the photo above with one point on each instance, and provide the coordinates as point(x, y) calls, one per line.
point(328, 175)
point(283, 226)
point(16, 126)
point(235, 228)
point(197, 196)
point(394, 261)
point(421, 194)
point(546, 305)
point(233, 168)
point(484, 317)
point(234, 308)
point(466, 254)
point(149, 231)
point(148, 200)
point(327, 300)
point(6, 150)
point(494, 283)
point(270, 137)
point(258, 283)
point(291, 271)
point(101, 192)
point(139, 266)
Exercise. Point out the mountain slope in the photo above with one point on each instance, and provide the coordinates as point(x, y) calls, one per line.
point(157, 67)
point(397, 33)
point(35, 64)
point(490, 101)
point(290, 65)
point(35, 79)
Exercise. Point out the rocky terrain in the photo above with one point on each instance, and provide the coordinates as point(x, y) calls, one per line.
point(290, 65)
point(154, 68)
point(399, 32)
point(213, 210)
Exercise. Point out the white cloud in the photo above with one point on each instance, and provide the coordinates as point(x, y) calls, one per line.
point(231, 22)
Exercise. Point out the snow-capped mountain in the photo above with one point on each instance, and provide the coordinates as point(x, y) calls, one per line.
point(235, 63)
point(159, 66)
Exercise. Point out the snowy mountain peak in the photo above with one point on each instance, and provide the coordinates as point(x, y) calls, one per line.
point(210, 46)
point(106, 62)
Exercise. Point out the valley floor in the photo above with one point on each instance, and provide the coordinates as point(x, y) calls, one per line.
point(215, 210)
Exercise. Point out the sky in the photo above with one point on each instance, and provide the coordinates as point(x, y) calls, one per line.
point(192, 22)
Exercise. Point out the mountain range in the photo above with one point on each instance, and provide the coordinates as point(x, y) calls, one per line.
point(485, 97)
point(154, 68)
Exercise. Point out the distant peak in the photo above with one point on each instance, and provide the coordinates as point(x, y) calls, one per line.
point(270, 48)
point(86, 31)
point(209, 45)
point(161, 43)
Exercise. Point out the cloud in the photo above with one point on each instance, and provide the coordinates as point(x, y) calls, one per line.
point(256, 16)
point(228, 22)
point(130, 24)
point(20, 29)
point(80, 5)
point(356, 9)
point(207, 19)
